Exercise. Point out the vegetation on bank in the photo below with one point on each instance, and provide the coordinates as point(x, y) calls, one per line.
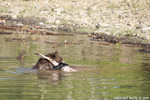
point(112, 17)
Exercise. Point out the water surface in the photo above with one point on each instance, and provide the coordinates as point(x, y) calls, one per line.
point(108, 70)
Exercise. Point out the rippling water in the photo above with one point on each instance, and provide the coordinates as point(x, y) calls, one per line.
point(107, 71)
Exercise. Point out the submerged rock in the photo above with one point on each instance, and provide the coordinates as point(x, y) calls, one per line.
point(145, 50)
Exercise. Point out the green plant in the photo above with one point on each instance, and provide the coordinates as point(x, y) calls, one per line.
point(4, 10)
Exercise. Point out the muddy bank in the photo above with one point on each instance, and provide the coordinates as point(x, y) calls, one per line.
point(12, 26)
point(121, 20)
point(80, 16)
point(25, 29)
point(123, 39)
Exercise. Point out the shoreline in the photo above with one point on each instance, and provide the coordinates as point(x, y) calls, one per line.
point(113, 21)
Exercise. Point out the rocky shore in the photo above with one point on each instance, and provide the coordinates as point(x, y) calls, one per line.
point(111, 18)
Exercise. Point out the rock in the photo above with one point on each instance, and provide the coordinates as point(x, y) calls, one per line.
point(145, 29)
point(57, 22)
point(20, 24)
point(41, 24)
point(59, 11)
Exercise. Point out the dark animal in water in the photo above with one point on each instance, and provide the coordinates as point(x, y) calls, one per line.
point(46, 64)
point(52, 61)
point(21, 56)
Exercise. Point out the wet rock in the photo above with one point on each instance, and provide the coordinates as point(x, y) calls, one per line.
point(125, 39)
point(145, 50)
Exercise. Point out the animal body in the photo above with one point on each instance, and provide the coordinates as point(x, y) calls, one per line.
point(45, 64)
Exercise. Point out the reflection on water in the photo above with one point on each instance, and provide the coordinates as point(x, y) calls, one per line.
point(105, 71)
point(50, 77)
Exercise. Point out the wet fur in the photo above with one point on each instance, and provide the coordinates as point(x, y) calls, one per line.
point(44, 64)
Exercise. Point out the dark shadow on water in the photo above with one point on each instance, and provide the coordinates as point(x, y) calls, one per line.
point(22, 70)
point(50, 77)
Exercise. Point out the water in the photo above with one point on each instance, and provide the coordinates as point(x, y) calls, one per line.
point(108, 71)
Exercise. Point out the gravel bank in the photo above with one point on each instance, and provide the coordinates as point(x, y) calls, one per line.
point(111, 17)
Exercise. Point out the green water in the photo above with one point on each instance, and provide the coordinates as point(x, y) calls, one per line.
point(107, 71)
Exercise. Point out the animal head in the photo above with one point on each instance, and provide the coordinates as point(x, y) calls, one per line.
point(55, 56)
